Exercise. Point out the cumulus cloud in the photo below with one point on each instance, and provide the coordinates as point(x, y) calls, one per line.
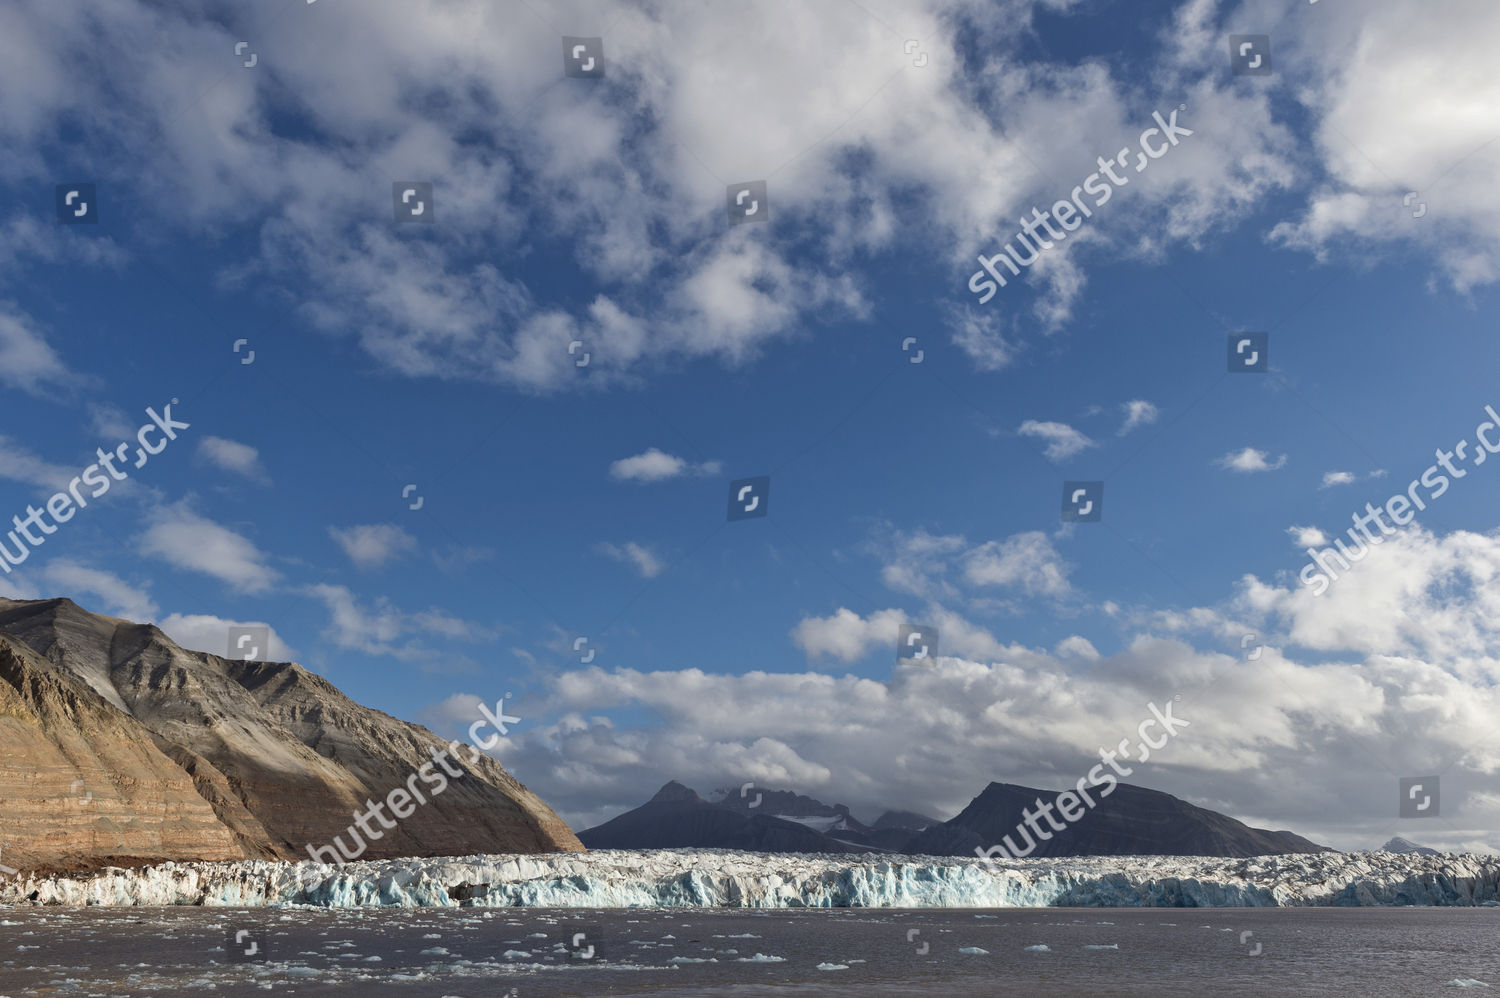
point(1250, 460)
point(638, 556)
point(864, 152)
point(206, 632)
point(194, 543)
point(1061, 439)
point(656, 465)
point(1308, 537)
point(1392, 671)
point(372, 545)
point(1027, 562)
point(1366, 108)
point(232, 456)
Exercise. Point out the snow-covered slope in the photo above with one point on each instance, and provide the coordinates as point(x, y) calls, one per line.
point(701, 878)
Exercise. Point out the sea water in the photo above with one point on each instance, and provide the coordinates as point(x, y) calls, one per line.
point(534, 953)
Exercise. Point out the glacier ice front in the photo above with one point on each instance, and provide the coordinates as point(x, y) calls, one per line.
point(697, 878)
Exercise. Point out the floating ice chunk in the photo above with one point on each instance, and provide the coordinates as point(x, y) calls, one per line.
point(1466, 982)
point(1039, 948)
point(974, 951)
point(1100, 946)
point(761, 958)
point(833, 966)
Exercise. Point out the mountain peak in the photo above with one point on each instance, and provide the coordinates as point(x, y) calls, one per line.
point(191, 755)
point(1398, 844)
point(674, 792)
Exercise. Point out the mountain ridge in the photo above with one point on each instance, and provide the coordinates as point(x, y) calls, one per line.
point(1129, 820)
point(276, 756)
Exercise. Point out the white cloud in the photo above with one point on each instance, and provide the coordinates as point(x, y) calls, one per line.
point(19, 464)
point(382, 628)
point(655, 465)
point(1379, 75)
point(1414, 596)
point(640, 557)
point(1308, 537)
point(1138, 413)
point(846, 635)
point(1027, 562)
point(232, 456)
point(196, 544)
point(1061, 439)
point(947, 568)
point(372, 545)
point(915, 562)
point(1333, 478)
point(631, 176)
point(208, 633)
point(110, 422)
point(27, 362)
point(23, 238)
point(1076, 647)
point(1250, 460)
point(1395, 674)
point(980, 335)
point(118, 597)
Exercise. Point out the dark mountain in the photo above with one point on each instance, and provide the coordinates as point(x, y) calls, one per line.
point(1398, 844)
point(909, 821)
point(831, 820)
point(677, 818)
point(1131, 821)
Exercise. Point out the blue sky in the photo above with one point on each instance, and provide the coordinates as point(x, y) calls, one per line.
point(253, 204)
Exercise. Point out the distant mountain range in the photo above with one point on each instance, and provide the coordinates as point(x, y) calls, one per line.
point(119, 747)
point(768, 821)
point(1131, 821)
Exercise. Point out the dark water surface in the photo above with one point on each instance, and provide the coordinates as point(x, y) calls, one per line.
point(470, 952)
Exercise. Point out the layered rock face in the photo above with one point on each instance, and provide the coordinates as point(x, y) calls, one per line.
point(82, 783)
point(163, 753)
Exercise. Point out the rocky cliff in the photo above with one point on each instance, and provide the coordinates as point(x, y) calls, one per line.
point(119, 747)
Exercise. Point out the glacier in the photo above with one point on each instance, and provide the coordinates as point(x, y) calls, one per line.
point(702, 878)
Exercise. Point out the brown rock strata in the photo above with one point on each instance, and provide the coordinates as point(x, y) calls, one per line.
point(118, 746)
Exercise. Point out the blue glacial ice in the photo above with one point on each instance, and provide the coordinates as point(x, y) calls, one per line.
point(693, 878)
